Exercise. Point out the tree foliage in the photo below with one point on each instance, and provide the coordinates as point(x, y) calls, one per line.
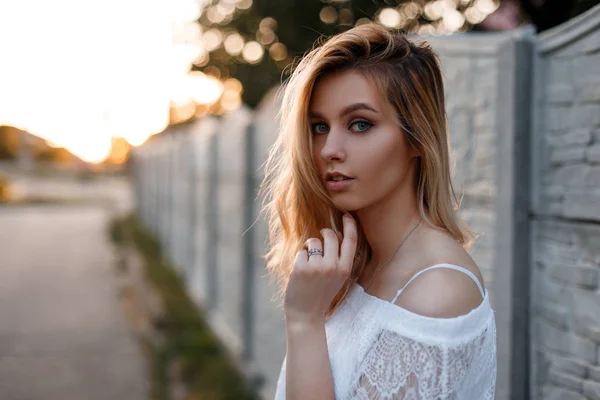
point(295, 26)
point(550, 13)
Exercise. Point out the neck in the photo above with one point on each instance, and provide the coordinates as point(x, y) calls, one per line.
point(386, 224)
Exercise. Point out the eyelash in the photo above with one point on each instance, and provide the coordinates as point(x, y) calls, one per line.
point(361, 121)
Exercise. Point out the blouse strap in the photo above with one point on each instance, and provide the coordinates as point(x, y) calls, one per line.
point(451, 266)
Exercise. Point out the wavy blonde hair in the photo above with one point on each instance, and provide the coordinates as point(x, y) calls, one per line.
point(296, 203)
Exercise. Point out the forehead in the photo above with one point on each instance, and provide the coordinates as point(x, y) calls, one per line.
point(336, 91)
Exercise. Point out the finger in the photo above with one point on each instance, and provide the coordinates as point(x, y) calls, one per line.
point(349, 243)
point(331, 245)
point(314, 244)
point(301, 258)
point(340, 240)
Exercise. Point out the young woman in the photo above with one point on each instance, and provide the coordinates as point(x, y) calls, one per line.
point(381, 299)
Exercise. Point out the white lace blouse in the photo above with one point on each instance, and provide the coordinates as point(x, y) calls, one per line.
point(380, 351)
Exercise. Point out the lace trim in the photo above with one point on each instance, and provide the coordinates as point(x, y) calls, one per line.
point(401, 368)
point(427, 329)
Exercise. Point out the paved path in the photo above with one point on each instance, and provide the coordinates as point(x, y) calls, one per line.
point(62, 332)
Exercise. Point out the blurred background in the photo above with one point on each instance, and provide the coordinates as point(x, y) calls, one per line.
point(132, 137)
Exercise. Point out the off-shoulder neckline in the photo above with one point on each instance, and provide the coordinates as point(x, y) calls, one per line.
point(427, 329)
point(485, 291)
point(396, 306)
point(397, 317)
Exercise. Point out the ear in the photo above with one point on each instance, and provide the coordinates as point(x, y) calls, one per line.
point(411, 143)
point(414, 152)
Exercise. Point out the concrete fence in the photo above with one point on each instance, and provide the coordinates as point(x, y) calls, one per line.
point(524, 117)
point(565, 212)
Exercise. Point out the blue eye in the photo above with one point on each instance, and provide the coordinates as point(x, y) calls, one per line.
point(319, 128)
point(361, 126)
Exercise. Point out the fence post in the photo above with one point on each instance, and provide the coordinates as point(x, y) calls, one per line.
point(248, 286)
point(512, 242)
point(212, 205)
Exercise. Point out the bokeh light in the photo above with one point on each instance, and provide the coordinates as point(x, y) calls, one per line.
point(214, 15)
point(474, 15)
point(253, 52)
point(213, 71)
point(204, 89)
point(363, 21)
point(412, 10)
point(453, 20)
point(234, 44)
point(433, 10)
point(268, 23)
point(389, 17)
point(212, 39)
point(346, 16)
point(225, 8)
point(426, 29)
point(233, 84)
point(231, 100)
point(265, 36)
point(328, 15)
point(278, 51)
point(244, 4)
point(485, 6)
point(183, 112)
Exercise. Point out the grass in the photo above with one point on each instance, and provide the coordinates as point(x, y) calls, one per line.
point(5, 192)
point(47, 201)
point(203, 364)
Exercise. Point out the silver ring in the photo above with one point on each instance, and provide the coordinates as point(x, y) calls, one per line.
point(312, 252)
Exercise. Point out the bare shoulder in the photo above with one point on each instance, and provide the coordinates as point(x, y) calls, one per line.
point(442, 292)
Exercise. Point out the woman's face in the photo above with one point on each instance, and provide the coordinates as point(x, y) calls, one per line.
point(355, 133)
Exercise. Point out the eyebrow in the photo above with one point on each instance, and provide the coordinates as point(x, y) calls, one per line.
point(348, 110)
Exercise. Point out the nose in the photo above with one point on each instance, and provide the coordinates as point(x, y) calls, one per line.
point(333, 148)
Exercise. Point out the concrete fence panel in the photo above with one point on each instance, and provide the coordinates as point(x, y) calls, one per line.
point(566, 212)
point(202, 133)
point(268, 324)
point(231, 166)
point(486, 103)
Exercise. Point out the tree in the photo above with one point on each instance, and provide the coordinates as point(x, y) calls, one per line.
point(255, 41)
point(550, 13)
point(9, 142)
point(284, 30)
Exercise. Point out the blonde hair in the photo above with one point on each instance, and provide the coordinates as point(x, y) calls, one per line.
point(296, 203)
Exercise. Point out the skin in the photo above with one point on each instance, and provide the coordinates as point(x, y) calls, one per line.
point(355, 132)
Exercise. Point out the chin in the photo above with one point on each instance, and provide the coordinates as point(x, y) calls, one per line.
point(345, 203)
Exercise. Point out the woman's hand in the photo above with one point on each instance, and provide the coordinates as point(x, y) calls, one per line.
point(315, 281)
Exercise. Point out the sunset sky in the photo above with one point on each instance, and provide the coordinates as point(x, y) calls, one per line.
point(78, 72)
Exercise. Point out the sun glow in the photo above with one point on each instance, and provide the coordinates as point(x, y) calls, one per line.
point(78, 74)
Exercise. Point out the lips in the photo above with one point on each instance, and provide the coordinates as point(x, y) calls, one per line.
point(335, 174)
point(337, 179)
point(340, 186)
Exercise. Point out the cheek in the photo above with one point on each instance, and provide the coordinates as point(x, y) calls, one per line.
point(384, 165)
point(382, 155)
point(318, 161)
point(316, 154)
